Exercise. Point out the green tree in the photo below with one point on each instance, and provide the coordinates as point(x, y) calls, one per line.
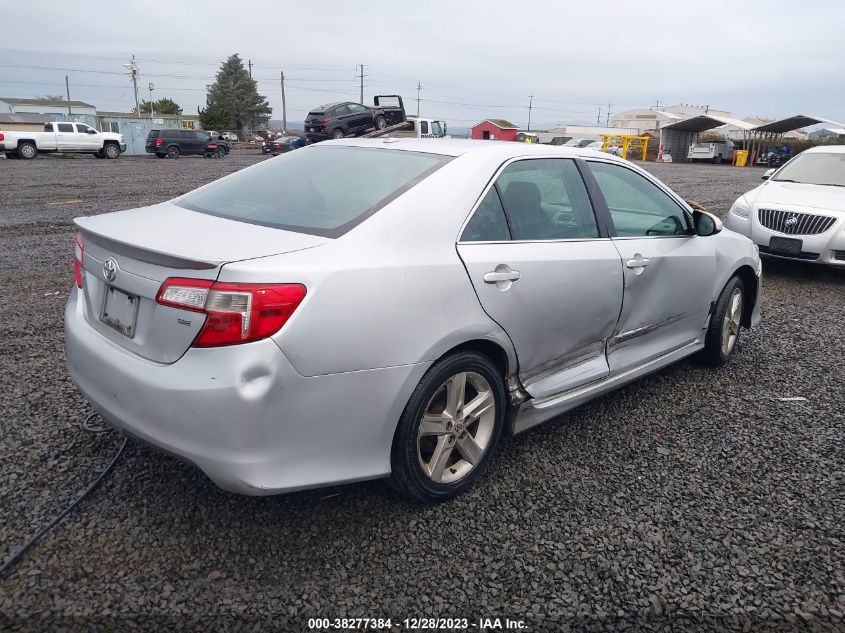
point(165, 105)
point(233, 102)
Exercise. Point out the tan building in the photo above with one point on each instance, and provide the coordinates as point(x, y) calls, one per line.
point(24, 122)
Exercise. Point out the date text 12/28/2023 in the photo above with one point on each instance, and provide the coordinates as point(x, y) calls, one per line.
point(415, 624)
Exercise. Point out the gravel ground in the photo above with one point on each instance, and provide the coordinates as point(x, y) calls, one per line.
point(693, 499)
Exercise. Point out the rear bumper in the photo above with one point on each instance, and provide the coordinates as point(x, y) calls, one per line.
point(243, 414)
point(314, 137)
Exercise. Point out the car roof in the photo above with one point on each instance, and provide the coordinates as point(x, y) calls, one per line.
point(826, 149)
point(460, 147)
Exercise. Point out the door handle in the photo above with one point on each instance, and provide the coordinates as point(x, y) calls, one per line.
point(501, 275)
point(638, 262)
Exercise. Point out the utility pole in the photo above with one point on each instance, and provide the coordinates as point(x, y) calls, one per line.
point(133, 70)
point(607, 123)
point(284, 106)
point(152, 107)
point(67, 87)
point(598, 118)
point(419, 87)
point(361, 77)
point(657, 104)
point(530, 107)
point(249, 63)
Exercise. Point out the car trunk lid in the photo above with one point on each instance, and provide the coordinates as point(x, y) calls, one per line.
point(129, 254)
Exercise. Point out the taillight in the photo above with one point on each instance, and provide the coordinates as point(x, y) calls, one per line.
point(2, 138)
point(235, 313)
point(78, 251)
point(159, 141)
point(321, 122)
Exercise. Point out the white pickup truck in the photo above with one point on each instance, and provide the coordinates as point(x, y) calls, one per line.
point(419, 127)
point(60, 138)
point(715, 152)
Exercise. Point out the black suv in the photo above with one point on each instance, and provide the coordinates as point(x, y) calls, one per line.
point(174, 143)
point(336, 120)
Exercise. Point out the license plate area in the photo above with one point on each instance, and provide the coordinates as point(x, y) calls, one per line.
point(785, 245)
point(120, 311)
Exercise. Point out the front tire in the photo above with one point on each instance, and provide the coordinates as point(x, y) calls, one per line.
point(449, 429)
point(111, 151)
point(725, 324)
point(27, 151)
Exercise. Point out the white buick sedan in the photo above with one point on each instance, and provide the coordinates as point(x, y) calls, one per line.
point(799, 212)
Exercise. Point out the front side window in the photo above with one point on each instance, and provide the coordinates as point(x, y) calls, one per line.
point(436, 130)
point(639, 208)
point(423, 127)
point(546, 199)
point(321, 190)
point(65, 127)
point(488, 223)
point(82, 128)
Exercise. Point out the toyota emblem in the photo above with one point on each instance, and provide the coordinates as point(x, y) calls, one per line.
point(791, 221)
point(110, 269)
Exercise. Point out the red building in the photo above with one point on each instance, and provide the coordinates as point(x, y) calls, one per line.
point(494, 129)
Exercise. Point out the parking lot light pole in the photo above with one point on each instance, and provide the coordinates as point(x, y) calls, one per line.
point(284, 106)
point(152, 107)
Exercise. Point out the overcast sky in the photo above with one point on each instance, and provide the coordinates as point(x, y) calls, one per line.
point(475, 59)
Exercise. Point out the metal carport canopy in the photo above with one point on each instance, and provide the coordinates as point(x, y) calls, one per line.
point(793, 123)
point(706, 122)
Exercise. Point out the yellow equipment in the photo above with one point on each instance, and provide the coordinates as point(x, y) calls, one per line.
point(741, 157)
point(626, 141)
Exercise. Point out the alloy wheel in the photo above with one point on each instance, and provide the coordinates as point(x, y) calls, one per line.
point(456, 428)
point(731, 322)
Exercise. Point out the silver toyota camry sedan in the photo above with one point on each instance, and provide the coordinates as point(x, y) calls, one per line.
point(388, 308)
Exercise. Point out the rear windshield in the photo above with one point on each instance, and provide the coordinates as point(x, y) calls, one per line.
point(319, 190)
point(152, 134)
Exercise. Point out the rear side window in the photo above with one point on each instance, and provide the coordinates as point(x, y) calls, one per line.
point(65, 127)
point(546, 199)
point(488, 223)
point(321, 190)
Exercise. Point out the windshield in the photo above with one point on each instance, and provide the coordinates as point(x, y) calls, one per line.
point(814, 169)
point(321, 191)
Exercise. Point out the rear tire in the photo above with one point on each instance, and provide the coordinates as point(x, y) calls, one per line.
point(449, 430)
point(381, 122)
point(221, 153)
point(337, 134)
point(111, 151)
point(27, 151)
point(173, 151)
point(725, 324)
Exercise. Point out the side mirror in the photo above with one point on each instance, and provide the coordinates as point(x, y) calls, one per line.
point(706, 224)
point(91, 131)
point(768, 174)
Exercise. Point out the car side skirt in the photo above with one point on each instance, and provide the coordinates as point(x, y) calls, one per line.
point(536, 411)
